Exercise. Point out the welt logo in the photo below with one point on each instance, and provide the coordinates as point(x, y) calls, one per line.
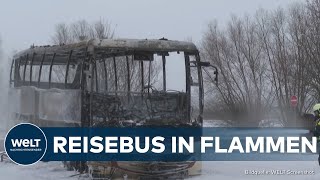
point(25, 143)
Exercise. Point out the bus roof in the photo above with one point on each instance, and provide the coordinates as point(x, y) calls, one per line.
point(104, 47)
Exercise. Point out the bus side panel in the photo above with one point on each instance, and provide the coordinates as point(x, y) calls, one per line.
point(45, 107)
point(22, 103)
point(60, 107)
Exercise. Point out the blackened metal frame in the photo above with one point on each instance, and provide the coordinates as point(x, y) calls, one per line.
point(89, 60)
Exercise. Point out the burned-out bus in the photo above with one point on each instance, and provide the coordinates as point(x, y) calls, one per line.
point(111, 83)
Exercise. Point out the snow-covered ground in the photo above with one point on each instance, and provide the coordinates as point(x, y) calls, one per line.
point(211, 170)
point(226, 170)
point(216, 123)
point(39, 171)
point(236, 170)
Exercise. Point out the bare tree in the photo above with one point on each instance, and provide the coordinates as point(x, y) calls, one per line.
point(284, 46)
point(312, 49)
point(62, 34)
point(243, 88)
point(300, 72)
point(79, 31)
point(274, 40)
point(82, 30)
point(264, 61)
point(103, 29)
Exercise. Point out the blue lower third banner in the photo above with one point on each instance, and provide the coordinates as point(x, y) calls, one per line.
point(27, 144)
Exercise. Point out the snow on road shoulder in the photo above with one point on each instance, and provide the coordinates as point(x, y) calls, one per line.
point(235, 170)
point(216, 123)
point(39, 171)
point(218, 170)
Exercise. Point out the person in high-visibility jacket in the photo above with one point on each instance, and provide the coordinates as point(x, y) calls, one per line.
point(316, 131)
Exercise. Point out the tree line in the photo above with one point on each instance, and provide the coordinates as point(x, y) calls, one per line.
point(264, 59)
point(82, 30)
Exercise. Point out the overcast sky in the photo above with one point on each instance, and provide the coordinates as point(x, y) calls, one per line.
point(27, 22)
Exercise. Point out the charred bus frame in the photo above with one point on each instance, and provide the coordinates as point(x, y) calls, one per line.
point(90, 88)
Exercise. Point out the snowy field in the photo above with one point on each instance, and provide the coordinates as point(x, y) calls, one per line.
point(210, 170)
point(236, 170)
point(39, 171)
